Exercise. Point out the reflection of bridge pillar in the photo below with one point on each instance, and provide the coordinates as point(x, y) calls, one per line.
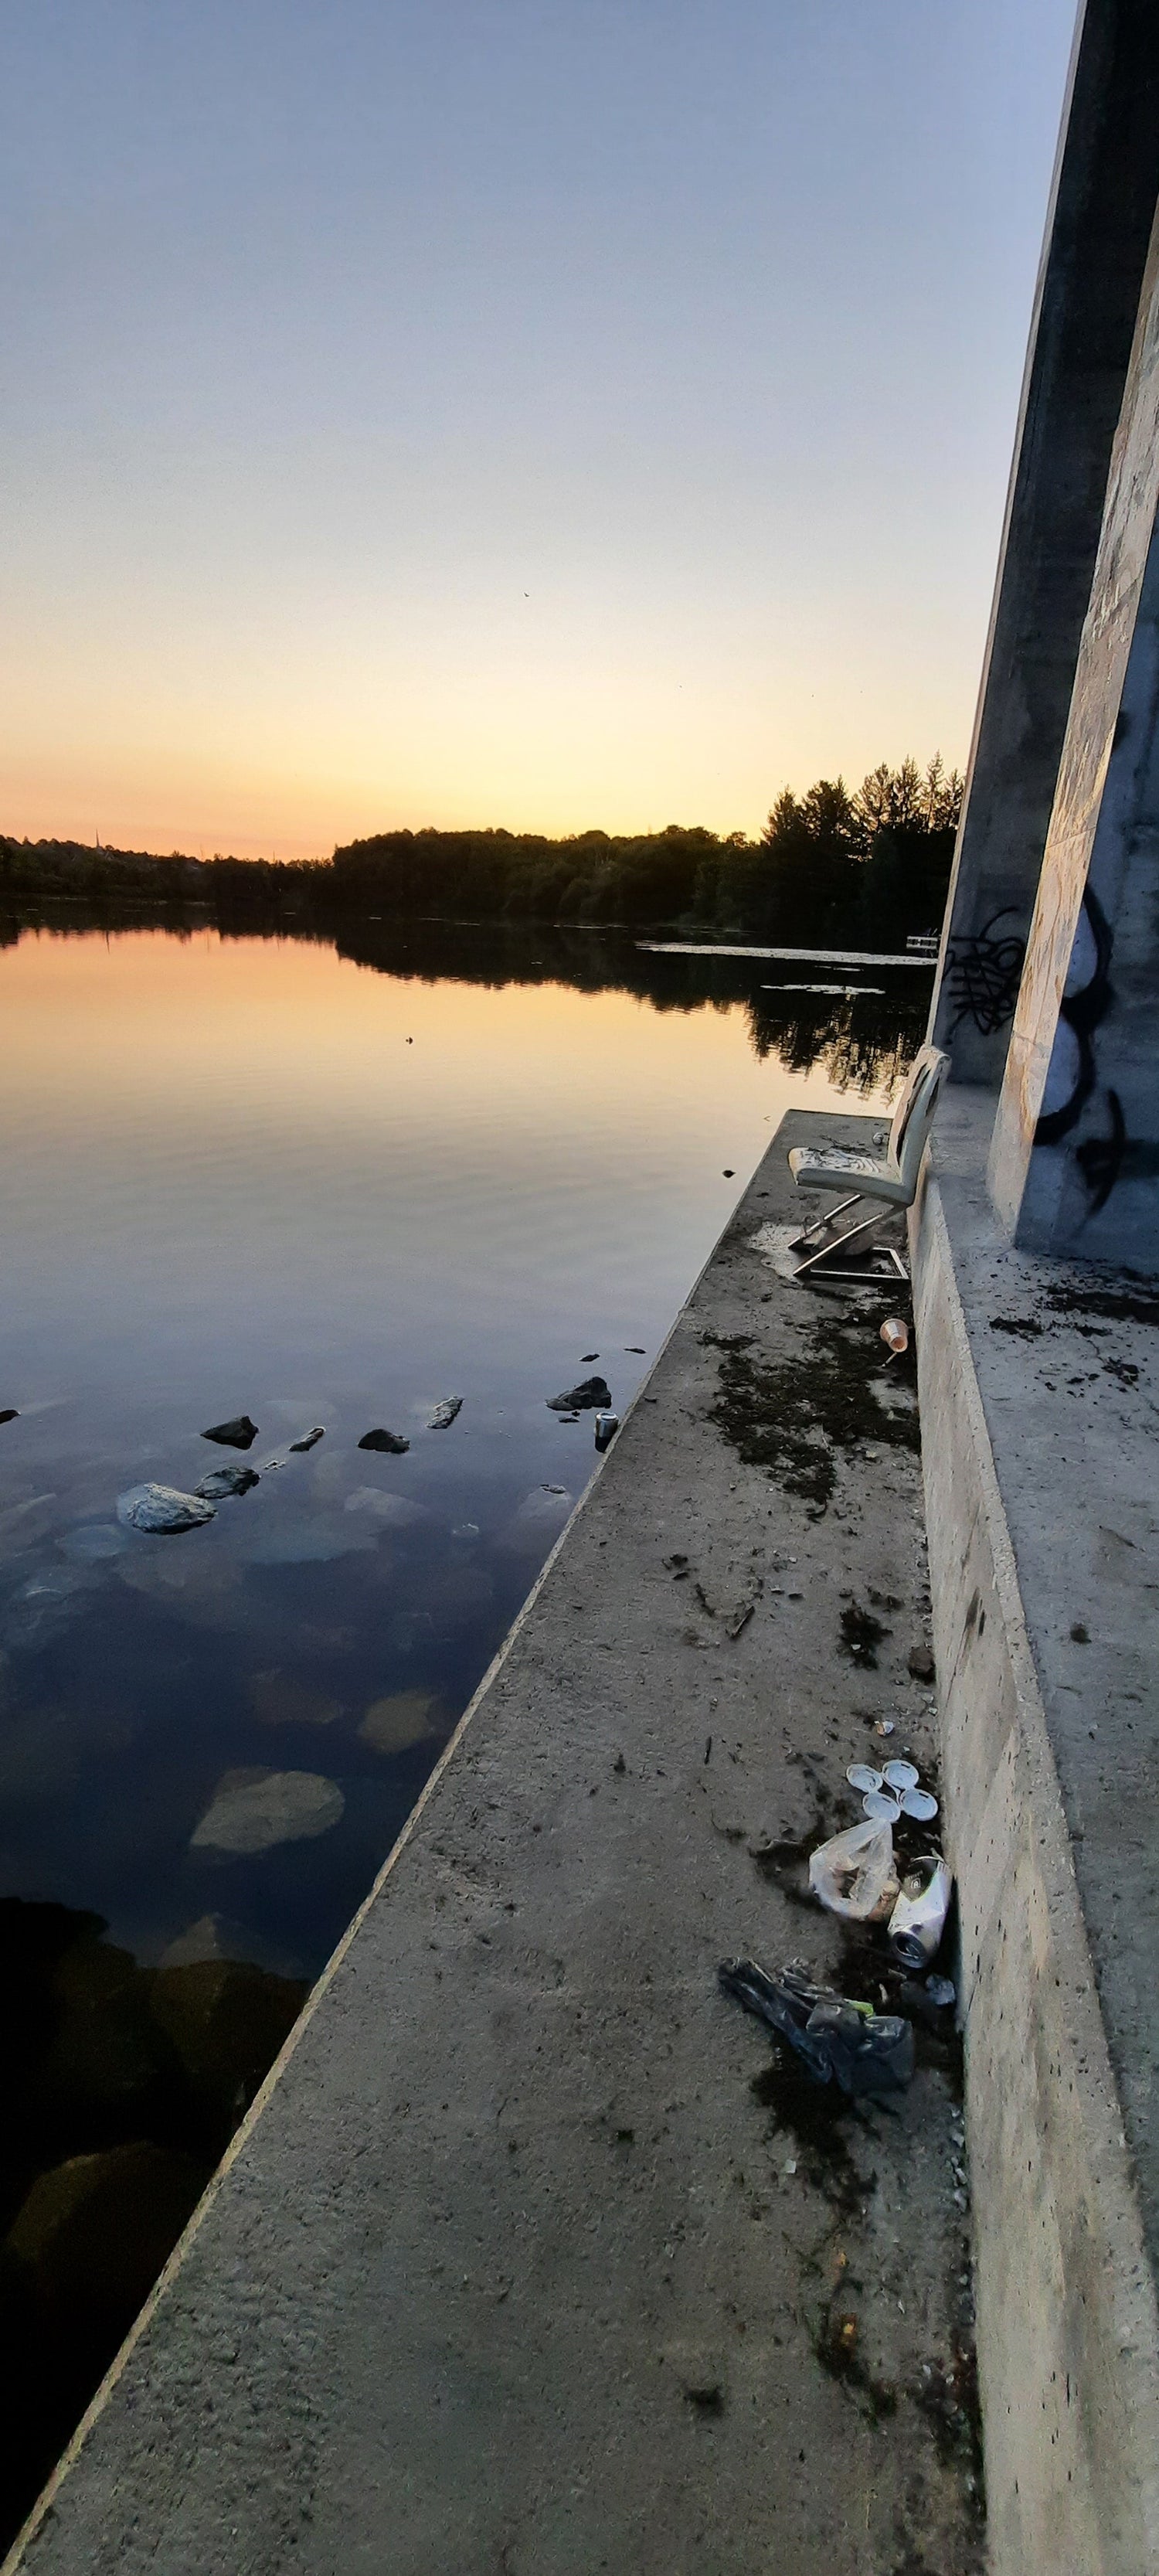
point(1074, 1160)
point(1105, 188)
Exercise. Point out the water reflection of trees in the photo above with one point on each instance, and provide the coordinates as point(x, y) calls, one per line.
point(864, 1041)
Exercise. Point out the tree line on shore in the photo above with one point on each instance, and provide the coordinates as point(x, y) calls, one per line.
point(863, 868)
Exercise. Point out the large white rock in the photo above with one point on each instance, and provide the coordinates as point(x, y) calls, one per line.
point(251, 1810)
point(162, 1509)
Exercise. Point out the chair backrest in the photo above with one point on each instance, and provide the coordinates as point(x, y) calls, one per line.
point(914, 1114)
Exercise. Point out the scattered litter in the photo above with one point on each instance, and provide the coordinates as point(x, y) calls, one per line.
point(442, 1415)
point(241, 1433)
point(592, 1395)
point(226, 1480)
point(391, 1441)
point(853, 1873)
point(607, 1425)
point(919, 1803)
point(740, 1619)
point(309, 1439)
point(861, 1775)
point(470, 1529)
point(918, 1919)
point(901, 1775)
point(895, 1334)
point(884, 1726)
point(881, 1809)
point(161, 1509)
point(941, 1991)
point(840, 2041)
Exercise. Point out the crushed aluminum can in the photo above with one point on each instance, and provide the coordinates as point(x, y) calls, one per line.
point(918, 1919)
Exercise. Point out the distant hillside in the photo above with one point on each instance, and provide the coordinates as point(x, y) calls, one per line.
point(863, 868)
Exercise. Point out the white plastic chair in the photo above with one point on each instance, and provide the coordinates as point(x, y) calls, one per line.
point(892, 1176)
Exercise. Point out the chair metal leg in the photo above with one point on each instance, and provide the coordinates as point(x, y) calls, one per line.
point(824, 1261)
point(828, 1216)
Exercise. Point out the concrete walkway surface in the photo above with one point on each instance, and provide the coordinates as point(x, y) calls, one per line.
point(527, 2261)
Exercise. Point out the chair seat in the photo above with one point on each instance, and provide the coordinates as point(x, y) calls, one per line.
point(828, 1168)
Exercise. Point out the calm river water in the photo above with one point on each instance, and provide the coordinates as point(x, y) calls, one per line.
point(323, 1186)
point(256, 1176)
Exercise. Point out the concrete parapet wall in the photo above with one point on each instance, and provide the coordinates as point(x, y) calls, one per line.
point(1068, 2342)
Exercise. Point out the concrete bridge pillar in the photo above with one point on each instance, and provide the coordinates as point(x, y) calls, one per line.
point(1074, 1159)
point(1098, 226)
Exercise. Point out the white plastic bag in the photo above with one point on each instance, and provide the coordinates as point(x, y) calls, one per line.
point(854, 1875)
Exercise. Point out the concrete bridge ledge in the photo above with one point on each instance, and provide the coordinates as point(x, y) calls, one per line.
point(1068, 2334)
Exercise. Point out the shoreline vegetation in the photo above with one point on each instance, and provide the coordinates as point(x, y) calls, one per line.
point(861, 870)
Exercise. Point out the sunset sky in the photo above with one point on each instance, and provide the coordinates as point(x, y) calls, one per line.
point(540, 412)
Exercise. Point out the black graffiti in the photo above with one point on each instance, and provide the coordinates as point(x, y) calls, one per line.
point(983, 975)
point(1100, 1158)
point(1106, 1160)
point(1082, 1012)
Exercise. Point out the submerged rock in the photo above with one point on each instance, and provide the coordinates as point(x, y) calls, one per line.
point(393, 1509)
point(227, 1480)
point(444, 1414)
point(280, 1698)
point(9, 1414)
point(162, 1509)
point(589, 1396)
point(309, 1439)
point(226, 2021)
point(238, 1434)
point(252, 1810)
point(394, 1724)
point(93, 2233)
point(538, 1521)
point(92, 1541)
point(391, 1441)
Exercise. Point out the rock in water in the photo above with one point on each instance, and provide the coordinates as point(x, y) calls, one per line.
point(227, 1480)
point(238, 1434)
point(444, 1413)
point(590, 1396)
point(93, 2233)
point(162, 1509)
point(251, 1810)
point(309, 1438)
point(395, 1724)
point(391, 1441)
point(226, 2021)
point(9, 1414)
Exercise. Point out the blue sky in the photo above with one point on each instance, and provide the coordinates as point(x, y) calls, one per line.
point(540, 414)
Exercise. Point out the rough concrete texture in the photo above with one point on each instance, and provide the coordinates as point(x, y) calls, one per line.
point(1040, 1450)
point(527, 2259)
point(1099, 877)
point(1097, 232)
